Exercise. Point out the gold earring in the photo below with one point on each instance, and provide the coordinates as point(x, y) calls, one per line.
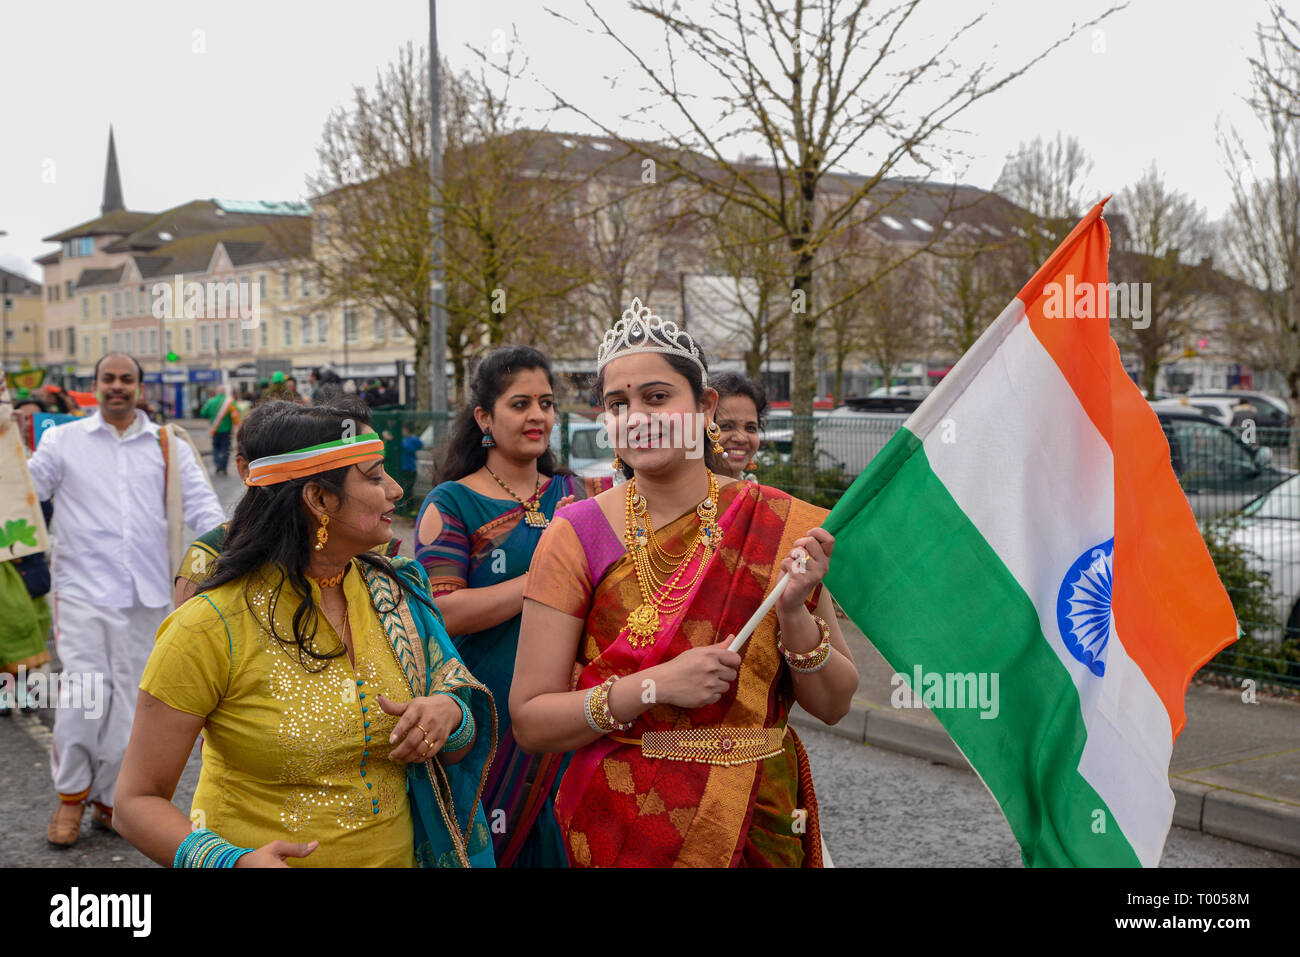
point(616, 465)
point(714, 433)
point(322, 536)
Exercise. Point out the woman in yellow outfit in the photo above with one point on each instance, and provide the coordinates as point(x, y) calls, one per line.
point(339, 727)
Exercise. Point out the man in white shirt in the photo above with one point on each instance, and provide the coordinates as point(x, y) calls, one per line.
point(111, 576)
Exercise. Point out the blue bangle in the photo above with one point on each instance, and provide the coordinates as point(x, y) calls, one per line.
point(464, 732)
point(205, 848)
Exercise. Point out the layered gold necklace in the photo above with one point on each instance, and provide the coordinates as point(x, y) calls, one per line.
point(659, 572)
point(532, 508)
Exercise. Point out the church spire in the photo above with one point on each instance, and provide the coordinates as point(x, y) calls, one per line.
point(112, 182)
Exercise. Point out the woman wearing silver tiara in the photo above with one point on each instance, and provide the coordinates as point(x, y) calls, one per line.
point(690, 761)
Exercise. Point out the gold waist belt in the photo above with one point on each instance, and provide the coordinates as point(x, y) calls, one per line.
point(710, 745)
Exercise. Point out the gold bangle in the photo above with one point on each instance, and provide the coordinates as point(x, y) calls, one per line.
point(807, 662)
point(599, 716)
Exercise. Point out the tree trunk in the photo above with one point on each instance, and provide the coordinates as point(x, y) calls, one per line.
point(803, 366)
point(1150, 369)
point(837, 395)
point(459, 366)
point(754, 354)
point(423, 360)
point(1293, 406)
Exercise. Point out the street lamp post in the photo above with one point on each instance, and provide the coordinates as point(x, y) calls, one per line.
point(346, 363)
point(4, 317)
point(4, 322)
point(437, 291)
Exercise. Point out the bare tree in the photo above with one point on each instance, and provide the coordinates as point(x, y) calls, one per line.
point(1158, 240)
point(1262, 233)
point(971, 282)
point(750, 259)
point(634, 239)
point(816, 83)
point(508, 205)
point(1047, 183)
point(895, 317)
point(372, 201)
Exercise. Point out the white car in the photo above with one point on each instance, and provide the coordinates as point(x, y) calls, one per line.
point(590, 452)
point(1270, 529)
point(910, 391)
point(851, 438)
point(1218, 409)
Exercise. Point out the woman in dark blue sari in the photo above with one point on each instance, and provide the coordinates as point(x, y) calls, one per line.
point(498, 487)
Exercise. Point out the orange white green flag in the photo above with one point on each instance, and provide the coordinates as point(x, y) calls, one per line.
point(1025, 526)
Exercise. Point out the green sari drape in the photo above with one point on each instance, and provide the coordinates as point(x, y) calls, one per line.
point(447, 813)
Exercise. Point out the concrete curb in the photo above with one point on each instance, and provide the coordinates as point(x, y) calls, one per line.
point(1221, 812)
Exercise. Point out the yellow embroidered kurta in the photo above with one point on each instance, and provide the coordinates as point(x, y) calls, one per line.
point(289, 754)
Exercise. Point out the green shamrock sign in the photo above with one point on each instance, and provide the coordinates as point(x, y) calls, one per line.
point(18, 531)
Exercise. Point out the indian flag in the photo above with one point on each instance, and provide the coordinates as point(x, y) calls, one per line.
point(1026, 525)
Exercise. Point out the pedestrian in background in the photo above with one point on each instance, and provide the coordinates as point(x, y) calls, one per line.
point(498, 488)
point(109, 474)
point(223, 418)
point(742, 408)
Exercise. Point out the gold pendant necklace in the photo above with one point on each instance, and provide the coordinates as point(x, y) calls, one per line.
point(532, 508)
point(667, 594)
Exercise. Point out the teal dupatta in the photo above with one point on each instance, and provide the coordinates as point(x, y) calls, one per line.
point(446, 810)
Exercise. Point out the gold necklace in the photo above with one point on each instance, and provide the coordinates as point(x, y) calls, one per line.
point(532, 509)
point(659, 577)
point(333, 579)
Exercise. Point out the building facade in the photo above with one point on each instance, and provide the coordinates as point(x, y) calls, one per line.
point(21, 322)
point(207, 292)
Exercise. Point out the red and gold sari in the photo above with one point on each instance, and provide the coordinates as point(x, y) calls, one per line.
point(731, 786)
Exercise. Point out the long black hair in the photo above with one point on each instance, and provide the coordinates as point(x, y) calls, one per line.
point(464, 453)
point(271, 527)
point(685, 367)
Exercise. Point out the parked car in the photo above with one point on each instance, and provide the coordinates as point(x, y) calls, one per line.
point(1270, 530)
point(1270, 414)
point(1218, 472)
point(851, 436)
point(1220, 410)
point(590, 452)
point(893, 402)
point(910, 391)
point(776, 443)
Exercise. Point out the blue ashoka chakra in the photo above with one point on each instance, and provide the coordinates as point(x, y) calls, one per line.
point(1083, 606)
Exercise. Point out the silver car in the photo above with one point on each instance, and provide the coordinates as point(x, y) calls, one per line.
point(1270, 529)
point(1217, 471)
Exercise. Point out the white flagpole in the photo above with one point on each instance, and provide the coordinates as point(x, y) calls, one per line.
point(757, 616)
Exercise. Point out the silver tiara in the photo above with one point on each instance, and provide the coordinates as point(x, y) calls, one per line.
point(640, 330)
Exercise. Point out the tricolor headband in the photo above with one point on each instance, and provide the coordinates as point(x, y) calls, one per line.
point(273, 469)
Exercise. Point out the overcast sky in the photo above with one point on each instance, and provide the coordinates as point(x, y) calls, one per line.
point(226, 99)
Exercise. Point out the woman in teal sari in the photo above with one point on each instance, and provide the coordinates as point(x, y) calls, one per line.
point(340, 729)
point(497, 490)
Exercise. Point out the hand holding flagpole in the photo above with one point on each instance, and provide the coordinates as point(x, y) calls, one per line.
point(800, 563)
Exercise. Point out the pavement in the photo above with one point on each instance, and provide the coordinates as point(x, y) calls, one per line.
point(1235, 770)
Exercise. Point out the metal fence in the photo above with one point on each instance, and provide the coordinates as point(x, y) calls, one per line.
point(1242, 493)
